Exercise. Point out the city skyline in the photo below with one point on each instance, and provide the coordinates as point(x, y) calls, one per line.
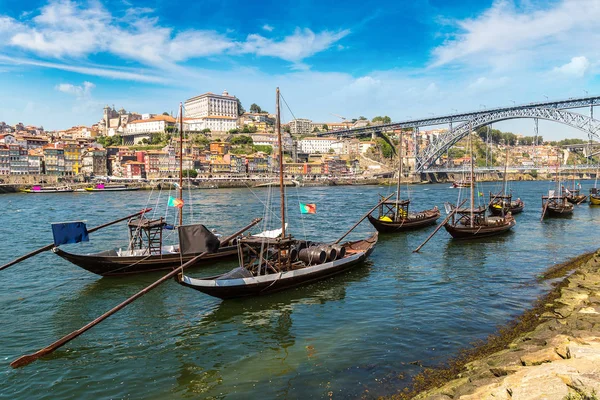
point(61, 62)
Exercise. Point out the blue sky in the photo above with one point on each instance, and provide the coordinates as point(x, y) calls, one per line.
point(62, 61)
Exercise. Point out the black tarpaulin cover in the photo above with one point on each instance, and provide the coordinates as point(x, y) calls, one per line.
point(195, 239)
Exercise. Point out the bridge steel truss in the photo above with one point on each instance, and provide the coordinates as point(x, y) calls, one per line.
point(429, 155)
point(549, 110)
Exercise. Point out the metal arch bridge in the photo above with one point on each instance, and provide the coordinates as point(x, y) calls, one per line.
point(549, 110)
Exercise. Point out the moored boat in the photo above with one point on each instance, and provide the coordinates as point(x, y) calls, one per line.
point(101, 187)
point(503, 204)
point(556, 206)
point(48, 189)
point(594, 197)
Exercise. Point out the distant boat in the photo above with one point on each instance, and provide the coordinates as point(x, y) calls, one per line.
point(501, 203)
point(594, 194)
point(461, 184)
point(556, 204)
point(48, 189)
point(101, 187)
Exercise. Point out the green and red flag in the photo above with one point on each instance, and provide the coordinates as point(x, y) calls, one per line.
point(308, 208)
point(175, 202)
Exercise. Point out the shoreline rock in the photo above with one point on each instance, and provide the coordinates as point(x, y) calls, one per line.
point(551, 352)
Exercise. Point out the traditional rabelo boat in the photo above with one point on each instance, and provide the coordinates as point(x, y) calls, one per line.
point(501, 203)
point(462, 183)
point(48, 189)
point(394, 216)
point(573, 194)
point(473, 223)
point(556, 204)
point(594, 194)
point(272, 264)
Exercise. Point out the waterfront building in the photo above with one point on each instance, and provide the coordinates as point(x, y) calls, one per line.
point(300, 126)
point(220, 167)
point(318, 145)
point(54, 160)
point(237, 163)
point(94, 162)
point(4, 160)
point(35, 161)
point(258, 163)
point(18, 160)
point(72, 154)
point(134, 170)
point(153, 161)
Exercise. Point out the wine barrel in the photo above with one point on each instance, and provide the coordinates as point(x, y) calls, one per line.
point(312, 255)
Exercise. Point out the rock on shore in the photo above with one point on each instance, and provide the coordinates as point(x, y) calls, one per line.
point(559, 359)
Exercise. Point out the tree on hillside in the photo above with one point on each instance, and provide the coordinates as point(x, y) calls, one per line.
point(240, 107)
point(255, 108)
point(165, 113)
point(325, 127)
point(361, 118)
point(384, 120)
point(241, 140)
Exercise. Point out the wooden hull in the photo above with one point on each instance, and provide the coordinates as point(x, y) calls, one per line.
point(594, 200)
point(112, 189)
point(559, 211)
point(582, 198)
point(108, 263)
point(356, 253)
point(476, 232)
point(405, 225)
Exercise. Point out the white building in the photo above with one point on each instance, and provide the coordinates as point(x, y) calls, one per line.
point(300, 126)
point(141, 129)
point(319, 145)
point(210, 105)
point(214, 123)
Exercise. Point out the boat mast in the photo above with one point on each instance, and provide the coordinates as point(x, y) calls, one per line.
point(472, 173)
point(399, 174)
point(181, 161)
point(280, 144)
point(505, 169)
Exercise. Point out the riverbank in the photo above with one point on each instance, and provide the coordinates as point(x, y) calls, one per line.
point(550, 352)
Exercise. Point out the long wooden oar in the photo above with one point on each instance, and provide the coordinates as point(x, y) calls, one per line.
point(29, 358)
point(439, 226)
point(364, 216)
point(50, 246)
point(544, 210)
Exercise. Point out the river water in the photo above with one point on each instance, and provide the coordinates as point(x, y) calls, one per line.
point(361, 334)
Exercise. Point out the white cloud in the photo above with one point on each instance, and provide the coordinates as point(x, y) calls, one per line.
point(268, 28)
point(507, 36)
point(64, 28)
point(80, 92)
point(302, 44)
point(483, 84)
point(577, 67)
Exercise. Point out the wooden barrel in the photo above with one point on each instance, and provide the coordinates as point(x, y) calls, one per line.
point(312, 255)
point(341, 251)
point(330, 252)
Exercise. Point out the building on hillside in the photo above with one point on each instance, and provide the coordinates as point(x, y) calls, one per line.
point(317, 145)
point(211, 105)
point(258, 163)
point(114, 122)
point(220, 167)
point(54, 160)
point(72, 154)
point(18, 160)
point(35, 161)
point(4, 160)
point(137, 131)
point(34, 142)
point(94, 162)
point(300, 126)
point(220, 148)
point(134, 170)
point(7, 138)
point(222, 123)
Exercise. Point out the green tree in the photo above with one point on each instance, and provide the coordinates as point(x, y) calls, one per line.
point(255, 108)
point(205, 130)
point(316, 130)
point(240, 107)
point(263, 148)
point(361, 118)
point(325, 127)
point(386, 149)
point(166, 113)
point(189, 173)
point(383, 120)
point(234, 131)
point(249, 129)
point(200, 140)
point(241, 140)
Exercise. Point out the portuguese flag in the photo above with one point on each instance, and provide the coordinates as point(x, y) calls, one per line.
point(308, 208)
point(174, 202)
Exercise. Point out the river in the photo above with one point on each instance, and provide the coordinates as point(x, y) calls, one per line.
point(361, 334)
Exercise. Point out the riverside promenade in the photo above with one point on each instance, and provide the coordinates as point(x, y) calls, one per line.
point(551, 352)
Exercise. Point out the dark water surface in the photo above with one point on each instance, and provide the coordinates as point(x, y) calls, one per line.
point(349, 336)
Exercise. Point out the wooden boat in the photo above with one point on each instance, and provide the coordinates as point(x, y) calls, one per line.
point(48, 189)
point(268, 265)
point(394, 215)
point(100, 187)
point(573, 195)
point(460, 184)
point(556, 206)
point(503, 204)
point(247, 281)
point(460, 226)
point(594, 197)
point(473, 223)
